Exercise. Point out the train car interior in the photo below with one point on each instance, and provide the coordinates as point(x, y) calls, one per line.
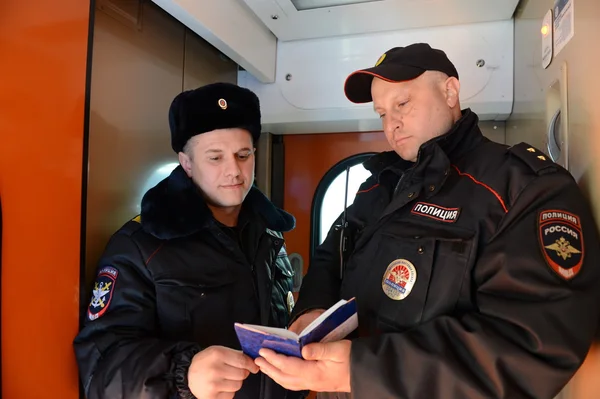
point(84, 132)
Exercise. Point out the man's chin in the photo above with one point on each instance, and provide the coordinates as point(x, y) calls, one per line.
point(233, 199)
point(407, 156)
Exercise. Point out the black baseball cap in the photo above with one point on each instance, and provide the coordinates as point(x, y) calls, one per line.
point(396, 65)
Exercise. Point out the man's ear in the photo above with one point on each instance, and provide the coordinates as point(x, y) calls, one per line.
point(186, 163)
point(452, 86)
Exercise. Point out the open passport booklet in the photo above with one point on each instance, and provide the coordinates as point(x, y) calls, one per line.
point(333, 325)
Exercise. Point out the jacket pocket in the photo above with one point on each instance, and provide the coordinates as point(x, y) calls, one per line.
point(194, 307)
point(406, 280)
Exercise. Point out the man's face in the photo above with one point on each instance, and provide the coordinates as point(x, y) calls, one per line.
point(414, 111)
point(221, 163)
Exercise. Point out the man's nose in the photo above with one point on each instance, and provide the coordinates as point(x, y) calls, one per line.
point(232, 167)
point(390, 124)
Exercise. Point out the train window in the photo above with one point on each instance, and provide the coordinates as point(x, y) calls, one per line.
point(328, 201)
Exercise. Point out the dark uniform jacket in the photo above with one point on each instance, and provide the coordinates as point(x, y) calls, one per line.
point(476, 272)
point(174, 281)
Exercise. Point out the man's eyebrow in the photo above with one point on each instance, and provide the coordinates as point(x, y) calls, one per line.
point(212, 150)
point(244, 149)
point(398, 97)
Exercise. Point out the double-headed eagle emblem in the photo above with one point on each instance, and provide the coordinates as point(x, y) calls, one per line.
point(563, 248)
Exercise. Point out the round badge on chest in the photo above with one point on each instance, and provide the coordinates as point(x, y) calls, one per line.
point(399, 279)
point(290, 301)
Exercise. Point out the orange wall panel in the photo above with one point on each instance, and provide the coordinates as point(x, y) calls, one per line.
point(44, 47)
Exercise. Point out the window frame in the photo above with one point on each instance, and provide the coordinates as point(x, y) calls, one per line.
point(319, 196)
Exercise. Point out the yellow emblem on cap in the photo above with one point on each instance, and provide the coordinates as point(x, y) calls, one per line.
point(380, 60)
point(222, 103)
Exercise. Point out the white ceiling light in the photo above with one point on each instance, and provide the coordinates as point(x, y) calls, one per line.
point(302, 5)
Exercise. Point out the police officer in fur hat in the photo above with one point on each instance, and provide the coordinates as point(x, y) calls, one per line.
point(207, 251)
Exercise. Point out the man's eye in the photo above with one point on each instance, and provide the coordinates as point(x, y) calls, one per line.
point(214, 158)
point(381, 116)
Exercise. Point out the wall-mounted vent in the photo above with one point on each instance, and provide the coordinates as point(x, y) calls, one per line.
point(303, 5)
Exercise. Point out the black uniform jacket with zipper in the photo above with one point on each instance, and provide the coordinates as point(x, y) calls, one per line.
point(476, 272)
point(174, 281)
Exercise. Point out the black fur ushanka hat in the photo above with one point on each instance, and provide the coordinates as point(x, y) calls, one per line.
point(211, 107)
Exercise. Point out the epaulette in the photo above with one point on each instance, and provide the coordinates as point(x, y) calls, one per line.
point(132, 226)
point(539, 162)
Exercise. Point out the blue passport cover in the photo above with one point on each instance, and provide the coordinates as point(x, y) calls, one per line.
point(252, 339)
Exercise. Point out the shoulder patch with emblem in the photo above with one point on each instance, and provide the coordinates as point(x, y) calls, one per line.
point(104, 286)
point(561, 242)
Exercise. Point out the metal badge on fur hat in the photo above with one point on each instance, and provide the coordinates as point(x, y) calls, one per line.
point(211, 107)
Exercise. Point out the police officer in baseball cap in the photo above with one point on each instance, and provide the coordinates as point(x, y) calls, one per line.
point(205, 252)
point(474, 264)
